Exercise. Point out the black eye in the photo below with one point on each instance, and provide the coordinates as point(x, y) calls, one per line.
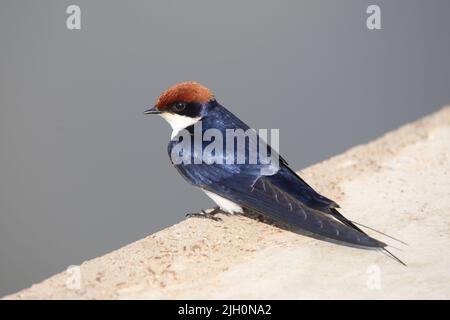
point(179, 106)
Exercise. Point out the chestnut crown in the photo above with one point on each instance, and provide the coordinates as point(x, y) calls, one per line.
point(184, 92)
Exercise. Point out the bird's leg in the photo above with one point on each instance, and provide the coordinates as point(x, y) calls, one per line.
point(203, 214)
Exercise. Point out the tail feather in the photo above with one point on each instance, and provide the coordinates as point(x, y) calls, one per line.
point(336, 214)
point(377, 231)
point(353, 224)
point(391, 255)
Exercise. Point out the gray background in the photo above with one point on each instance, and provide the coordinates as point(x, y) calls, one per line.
point(83, 171)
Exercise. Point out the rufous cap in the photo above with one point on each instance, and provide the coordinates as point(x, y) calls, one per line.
point(189, 91)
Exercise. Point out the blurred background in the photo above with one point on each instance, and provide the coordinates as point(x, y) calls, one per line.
point(83, 171)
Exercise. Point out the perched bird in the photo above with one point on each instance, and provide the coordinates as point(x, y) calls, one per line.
point(280, 195)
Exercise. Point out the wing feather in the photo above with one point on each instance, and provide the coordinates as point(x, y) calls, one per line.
point(261, 195)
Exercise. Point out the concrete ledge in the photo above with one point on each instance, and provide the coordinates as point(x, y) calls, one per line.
point(399, 183)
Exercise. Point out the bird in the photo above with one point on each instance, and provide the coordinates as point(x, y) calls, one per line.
point(278, 194)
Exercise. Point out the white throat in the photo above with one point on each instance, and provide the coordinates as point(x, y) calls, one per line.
point(178, 122)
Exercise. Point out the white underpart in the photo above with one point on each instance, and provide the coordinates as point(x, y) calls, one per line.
point(224, 204)
point(178, 122)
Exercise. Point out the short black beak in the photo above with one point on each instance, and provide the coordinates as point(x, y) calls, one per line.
point(153, 110)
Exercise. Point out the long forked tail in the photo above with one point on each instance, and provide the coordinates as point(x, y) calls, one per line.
point(336, 214)
point(391, 255)
point(377, 231)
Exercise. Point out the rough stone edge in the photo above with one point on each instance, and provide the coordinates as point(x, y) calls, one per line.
point(387, 145)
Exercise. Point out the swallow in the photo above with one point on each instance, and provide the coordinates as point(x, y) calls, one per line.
point(279, 194)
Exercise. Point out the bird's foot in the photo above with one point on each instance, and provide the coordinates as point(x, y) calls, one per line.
point(207, 215)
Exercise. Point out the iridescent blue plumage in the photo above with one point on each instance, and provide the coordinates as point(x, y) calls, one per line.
point(282, 196)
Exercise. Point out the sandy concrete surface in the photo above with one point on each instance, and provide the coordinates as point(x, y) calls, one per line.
point(399, 183)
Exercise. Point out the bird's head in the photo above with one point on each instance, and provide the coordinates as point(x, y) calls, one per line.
point(183, 104)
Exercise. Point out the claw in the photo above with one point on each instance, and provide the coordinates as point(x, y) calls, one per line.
point(206, 215)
